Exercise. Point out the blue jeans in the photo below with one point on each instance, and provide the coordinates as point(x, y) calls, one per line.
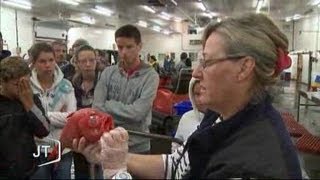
point(60, 170)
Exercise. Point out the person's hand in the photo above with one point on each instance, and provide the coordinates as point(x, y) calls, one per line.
point(25, 93)
point(90, 151)
point(114, 151)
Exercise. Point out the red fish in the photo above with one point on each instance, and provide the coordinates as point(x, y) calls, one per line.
point(88, 123)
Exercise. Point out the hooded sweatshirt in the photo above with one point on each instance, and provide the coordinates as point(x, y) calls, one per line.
point(189, 120)
point(58, 101)
point(128, 98)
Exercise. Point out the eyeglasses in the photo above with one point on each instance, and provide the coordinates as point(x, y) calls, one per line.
point(206, 63)
point(85, 61)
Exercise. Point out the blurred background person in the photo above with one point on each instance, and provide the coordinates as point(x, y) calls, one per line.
point(3, 53)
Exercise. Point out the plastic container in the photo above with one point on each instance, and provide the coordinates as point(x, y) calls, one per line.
point(182, 107)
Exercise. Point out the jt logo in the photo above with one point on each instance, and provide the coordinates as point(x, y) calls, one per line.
point(45, 148)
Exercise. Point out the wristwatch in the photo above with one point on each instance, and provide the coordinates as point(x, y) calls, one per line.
point(122, 175)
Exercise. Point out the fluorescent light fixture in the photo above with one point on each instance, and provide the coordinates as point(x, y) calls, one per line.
point(207, 15)
point(259, 6)
point(142, 23)
point(165, 16)
point(174, 2)
point(156, 28)
point(177, 19)
point(314, 2)
point(88, 20)
point(214, 14)
point(18, 4)
point(201, 6)
point(296, 16)
point(166, 32)
point(71, 2)
point(149, 9)
point(288, 19)
point(102, 11)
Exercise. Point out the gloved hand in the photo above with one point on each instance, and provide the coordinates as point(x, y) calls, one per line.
point(114, 151)
point(90, 151)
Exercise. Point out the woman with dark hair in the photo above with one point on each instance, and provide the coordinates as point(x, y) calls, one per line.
point(58, 99)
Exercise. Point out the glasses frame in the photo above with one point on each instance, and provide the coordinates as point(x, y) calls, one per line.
point(209, 62)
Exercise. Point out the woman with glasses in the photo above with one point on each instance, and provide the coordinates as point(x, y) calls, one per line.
point(84, 82)
point(242, 135)
point(58, 99)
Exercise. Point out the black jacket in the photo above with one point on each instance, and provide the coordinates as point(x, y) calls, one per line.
point(254, 143)
point(17, 131)
point(4, 54)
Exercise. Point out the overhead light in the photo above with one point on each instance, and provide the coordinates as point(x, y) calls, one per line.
point(214, 14)
point(142, 23)
point(259, 5)
point(296, 17)
point(149, 9)
point(174, 2)
point(166, 32)
point(218, 20)
point(177, 19)
point(288, 19)
point(156, 28)
point(102, 10)
point(71, 2)
point(207, 15)
point(88, 20)
point(19, 4)
point(201, 6)
point(165, 16)
point(314, 2)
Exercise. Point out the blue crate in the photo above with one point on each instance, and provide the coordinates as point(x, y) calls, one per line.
point(317, 79)
point(182, 107)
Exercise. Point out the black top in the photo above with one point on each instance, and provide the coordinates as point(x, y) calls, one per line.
point(4, 54)
point(254, 143)
point(17, 130)
point(84, 100)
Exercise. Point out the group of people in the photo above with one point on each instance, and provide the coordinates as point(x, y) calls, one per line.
point(234, 130)
point(125, 91)
point(241, 135)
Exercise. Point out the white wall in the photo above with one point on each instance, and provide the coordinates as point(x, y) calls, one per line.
point(8, 29)
point(97, 38)
point(306, 38)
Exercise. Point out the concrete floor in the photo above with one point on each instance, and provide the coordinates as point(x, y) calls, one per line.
point(285, 100)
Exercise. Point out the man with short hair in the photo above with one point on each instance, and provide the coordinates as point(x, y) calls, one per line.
point(3, 53)
point(127, 90)
point(60, 53)
point(182, 62)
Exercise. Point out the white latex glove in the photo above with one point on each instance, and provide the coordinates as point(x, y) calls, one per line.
point(114, 151)
point(90, 151)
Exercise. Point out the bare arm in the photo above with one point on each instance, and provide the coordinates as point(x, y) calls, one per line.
point(146, 166)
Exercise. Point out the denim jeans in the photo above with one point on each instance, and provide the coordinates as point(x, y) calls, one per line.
point(60, 170)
